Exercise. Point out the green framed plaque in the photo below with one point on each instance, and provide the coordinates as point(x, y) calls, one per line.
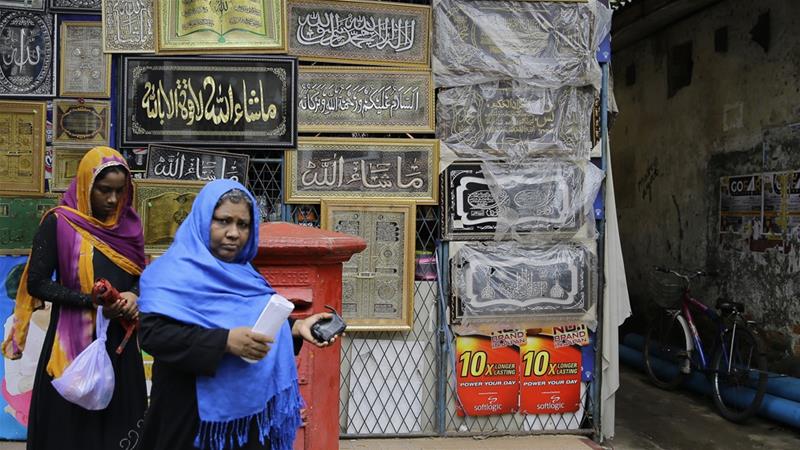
point(81, 122)
point(378, 283)
point(221, 26)
point(162, 206)
point(19, 220)
point(360, 32)
point(340, 168)
point(361, 99)
point(65, 166)
point(22, 142)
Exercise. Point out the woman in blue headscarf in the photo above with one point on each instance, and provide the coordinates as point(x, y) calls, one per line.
point(198, 303)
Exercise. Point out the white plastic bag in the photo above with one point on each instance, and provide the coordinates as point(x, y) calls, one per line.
point(89, 380)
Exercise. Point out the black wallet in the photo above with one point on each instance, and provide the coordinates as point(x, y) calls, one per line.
point(325, 329)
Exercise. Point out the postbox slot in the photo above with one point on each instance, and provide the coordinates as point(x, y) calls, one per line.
point(302, 297)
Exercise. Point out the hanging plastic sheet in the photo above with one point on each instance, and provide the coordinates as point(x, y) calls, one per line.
point(549, 43)
point(543, 196)
point(509, 285)
point(513, 120)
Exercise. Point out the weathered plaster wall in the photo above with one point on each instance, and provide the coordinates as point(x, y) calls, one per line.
point(668, 153)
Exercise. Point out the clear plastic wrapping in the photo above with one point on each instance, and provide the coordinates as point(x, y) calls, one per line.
point(513, 120)
point(550, 43)
point(543, 196)
point(514, 285)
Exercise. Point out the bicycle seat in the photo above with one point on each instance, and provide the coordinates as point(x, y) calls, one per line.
point(728, 307)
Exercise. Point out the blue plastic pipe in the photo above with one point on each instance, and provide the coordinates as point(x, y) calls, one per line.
point(773, 407)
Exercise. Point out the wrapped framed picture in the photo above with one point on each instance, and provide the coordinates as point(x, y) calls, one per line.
point(65, 166)
point(81, 122)
point(162, 206)
point(30, 5)
point(378, 283)
point(75, 6)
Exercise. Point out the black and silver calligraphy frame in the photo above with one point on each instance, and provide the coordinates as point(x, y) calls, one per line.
point(27, 54)
point(378, 283)
point(360, 32)
point(72, 6)
point(81, 122)
point(213, 101)
point(128, 26)
point(28, 5)
point(469, 211)
point(356, 99)
point(175, 163)
point(338, 168)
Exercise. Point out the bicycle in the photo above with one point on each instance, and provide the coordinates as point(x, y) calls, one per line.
point(738, 369)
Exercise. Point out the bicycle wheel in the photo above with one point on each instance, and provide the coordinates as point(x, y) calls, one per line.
point(666, 357)
point(739, 381)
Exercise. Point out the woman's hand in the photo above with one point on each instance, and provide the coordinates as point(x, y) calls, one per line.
point(246, 343)
point(302, 328)
point(125, 306)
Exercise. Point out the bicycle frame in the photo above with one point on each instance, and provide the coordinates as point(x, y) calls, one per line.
point(687, 302)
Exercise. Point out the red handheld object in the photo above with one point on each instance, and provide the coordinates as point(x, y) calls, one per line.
point(104, 294)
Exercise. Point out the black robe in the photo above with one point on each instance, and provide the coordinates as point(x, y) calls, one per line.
point(55, 423)
point(181, 352)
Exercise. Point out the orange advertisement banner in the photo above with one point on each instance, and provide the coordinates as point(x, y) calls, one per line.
point(550, 377)
point(486, 378)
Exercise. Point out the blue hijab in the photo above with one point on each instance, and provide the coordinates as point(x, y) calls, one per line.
point(189, 284)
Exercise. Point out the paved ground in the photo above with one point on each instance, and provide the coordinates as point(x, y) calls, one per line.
point(647, 419)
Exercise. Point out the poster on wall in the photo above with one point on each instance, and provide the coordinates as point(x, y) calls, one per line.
point(486, 378)
point(17, 376)
point(740, 205)
point(781, 215)
point(550, 377)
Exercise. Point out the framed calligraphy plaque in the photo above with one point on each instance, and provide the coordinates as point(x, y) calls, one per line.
point(469, 211)
point(31, 5)
point(173, 163)
point(221, 26)
point(92, 6)
point(65, 166)
point(360, 32)
point(362, 168)
point(128, 26)
point(22, 127)
point(237, 101)
point(19, 221)
point(27, 66)
point(508, 280)
point(81, 122)
point(378, 283)
point(162, 206)
point(344, 99)
point(85, 69)
point(515, 119)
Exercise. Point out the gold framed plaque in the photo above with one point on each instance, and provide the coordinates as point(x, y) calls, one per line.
point(365, 99)
point(337, 168)
point(162, 206)
point(360, 32)
point(81, 122)
point(65, 166)
point(221, 26)
point(85, 71)
point(22, 142)
point(378, 283)
point(128, 26)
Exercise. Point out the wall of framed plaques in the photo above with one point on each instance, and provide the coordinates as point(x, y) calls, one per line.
point(387, 120)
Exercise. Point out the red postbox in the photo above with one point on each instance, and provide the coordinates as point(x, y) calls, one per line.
point(305, 265)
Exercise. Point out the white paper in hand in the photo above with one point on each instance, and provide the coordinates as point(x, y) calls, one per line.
point(272, 317)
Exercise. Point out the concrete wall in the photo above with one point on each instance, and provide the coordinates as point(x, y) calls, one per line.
point(668, 154)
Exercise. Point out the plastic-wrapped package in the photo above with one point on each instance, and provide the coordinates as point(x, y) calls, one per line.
point(513, 120)
point(543, 196)
point(514, 285)
point(549, 43)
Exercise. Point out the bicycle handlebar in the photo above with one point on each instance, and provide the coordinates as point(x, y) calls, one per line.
point(686, 275)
